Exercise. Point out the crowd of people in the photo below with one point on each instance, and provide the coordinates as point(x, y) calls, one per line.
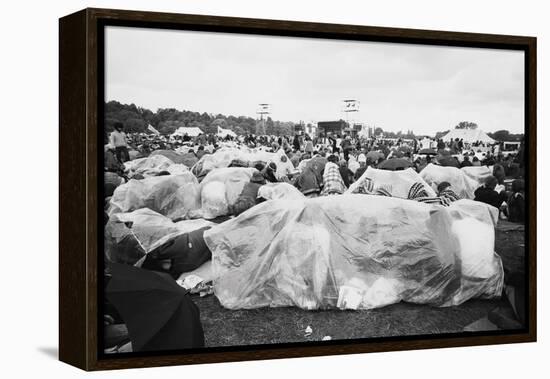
point(328, 164)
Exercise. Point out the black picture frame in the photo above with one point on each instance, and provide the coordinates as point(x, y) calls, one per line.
point(81, 104)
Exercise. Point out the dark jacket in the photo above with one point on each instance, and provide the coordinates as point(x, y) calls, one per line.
point(360, 171)
point(516, 207)
point(346, 174)
point(489, 196)
point(308, 181)
point(112, 163)
point(247, 198)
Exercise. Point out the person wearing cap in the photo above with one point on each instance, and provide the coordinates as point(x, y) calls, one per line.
point(249, 195)
point(119, 141)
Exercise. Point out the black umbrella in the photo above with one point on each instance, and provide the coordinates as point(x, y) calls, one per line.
point(428, 152)
point(394, 164)
point(448, 161)
point(158, 313)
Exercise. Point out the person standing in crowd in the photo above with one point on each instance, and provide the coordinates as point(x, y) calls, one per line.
point(296, 142)
point(346, 147)
point(308, 145)
point(333, 143)
point(202, 139)
point(119, 142)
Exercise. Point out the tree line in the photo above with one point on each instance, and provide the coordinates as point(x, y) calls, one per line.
point(167, 120)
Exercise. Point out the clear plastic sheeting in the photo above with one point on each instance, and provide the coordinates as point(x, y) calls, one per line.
point(130, 236)
point(474, 223)
point(354, 252)
point(461, 183)
point(214, 203)
point(220, 190)
point(223, 158)
point(478, 173)
point(174, 196)
point(274, 191)
point(150, 166)
point(394, 183)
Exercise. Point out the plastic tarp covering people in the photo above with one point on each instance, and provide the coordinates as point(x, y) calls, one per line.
point(478, 173)
point(273, 191)
point(220, 189)
point(223, 158)
point(149, 166)
point(395, 183)
point(463, 182)
point(355, 251)
point(173, 196)
point(129, 236)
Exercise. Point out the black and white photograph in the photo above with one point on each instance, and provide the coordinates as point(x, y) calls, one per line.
point(267, 190)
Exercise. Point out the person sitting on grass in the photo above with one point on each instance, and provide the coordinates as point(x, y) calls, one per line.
point(516, 201)
point(332, 180)
point(487, 194)
point(345, 173)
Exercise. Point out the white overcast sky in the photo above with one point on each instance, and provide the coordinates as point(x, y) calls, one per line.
point(399, 86)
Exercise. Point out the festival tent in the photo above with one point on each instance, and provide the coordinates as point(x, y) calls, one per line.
point(468, 136)
point(190, 131)
point(226, 132)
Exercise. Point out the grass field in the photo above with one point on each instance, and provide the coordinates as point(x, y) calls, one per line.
point(224, 327)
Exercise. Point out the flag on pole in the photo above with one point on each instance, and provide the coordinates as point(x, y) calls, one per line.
point(151, 129)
